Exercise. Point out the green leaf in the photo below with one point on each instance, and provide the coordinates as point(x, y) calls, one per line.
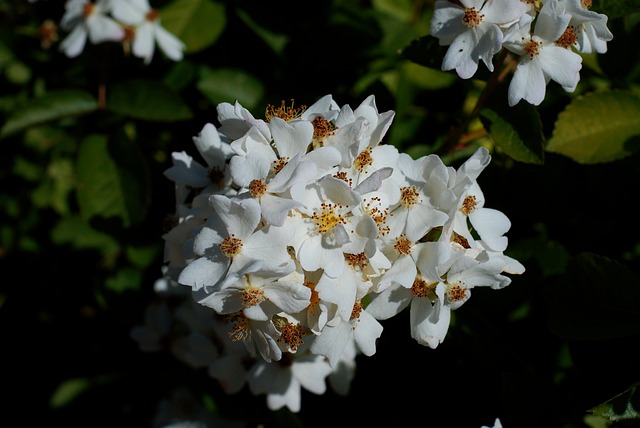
point(229, 85)
point(598, 298)
point(113, 180)
point(68, 390)
point(622, 407)
point(598, 127)
point(198, 23)
point(517, 131)
point(74, 231)
point(277, 42)
point(51, 106)
point(617, 8)
point(148, 100)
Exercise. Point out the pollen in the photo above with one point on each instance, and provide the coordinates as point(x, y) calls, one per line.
point(378, 215)
point(363, 160)
point(327, 218)
point(252, 296)
point(456, 292)
point(468, 205)
point(472, 18)
point(240, 330)
point(291, 334)
point(403, 246)
point(422, 288)
point(314, 301)
point(409, 196)
point(152, 15)
point(280, 163)
point(460, 240)
point(231, 246)
point(568, 38)
point(355, 312)
point(342, 175)
point(322, 129)
point(356, 260)
point(257, 188)
point(532, 48)
point(88, 9)
point(586, 4)
point(284, 112)
point(48, 32)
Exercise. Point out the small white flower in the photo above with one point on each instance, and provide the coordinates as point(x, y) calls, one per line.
point(87, 20)
point(541, 58)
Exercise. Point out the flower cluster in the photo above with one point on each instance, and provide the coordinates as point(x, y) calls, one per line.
point(133, 23)
point(547, 37)
point(296, 235)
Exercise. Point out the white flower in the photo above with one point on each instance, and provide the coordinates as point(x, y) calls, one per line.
point(471, 29)
point(283, 383)
point(147, 29)
point(541, 58)
point(591, 27)
point(230, 243)
point(86, 19)
point(496, 424)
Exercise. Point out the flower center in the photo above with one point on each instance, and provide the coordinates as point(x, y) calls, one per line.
point(356, 260)
point(231, 246)
point(363, 160)
point(421, 288)
point(532, 48)
point(456, 292)
point(472, 18)
point(355, 312)
point(378, 215)
point(403, 245)
point(252, 296)
point(314, 301)
point(257, 188)
point(568, 38)
point(322, 129)
point(152, 15)
point(342, 175)
point(409, 196)
point(88, 9)
point(279, 163)
point(291, 334)
point(240, 330)
point(284, 112)
point(469, 204)
point(586, 4)
point(327, 218)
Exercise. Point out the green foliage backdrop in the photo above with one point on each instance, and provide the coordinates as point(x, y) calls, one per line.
point(85, 142)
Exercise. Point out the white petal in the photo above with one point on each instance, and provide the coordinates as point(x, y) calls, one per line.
point(169, 43)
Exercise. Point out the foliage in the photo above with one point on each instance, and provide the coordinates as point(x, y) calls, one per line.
point(84, 201)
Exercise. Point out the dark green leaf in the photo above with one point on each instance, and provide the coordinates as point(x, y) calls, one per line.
point(148, 100)
point(617, 8)
point(51, 106)
point(425, 51)
point(229, 85)
point(517, 131)
point(198, 23)
point(622, 407)
point(598, 298)
point(74, 231)
point(598, 127)
point(113, 180)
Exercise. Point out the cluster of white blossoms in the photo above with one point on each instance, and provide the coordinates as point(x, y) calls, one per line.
point(298, 234)
point(547, 37)
point(133, 23)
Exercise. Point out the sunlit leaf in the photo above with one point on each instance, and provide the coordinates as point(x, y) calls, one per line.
point(598, 127)
point(148, 100)
point(112, 180)
point(51, 106)
point(198, 23)
point(622, 407)
point(598, 298)
point(125, 279)
point(229, 85)
point(516, 131)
